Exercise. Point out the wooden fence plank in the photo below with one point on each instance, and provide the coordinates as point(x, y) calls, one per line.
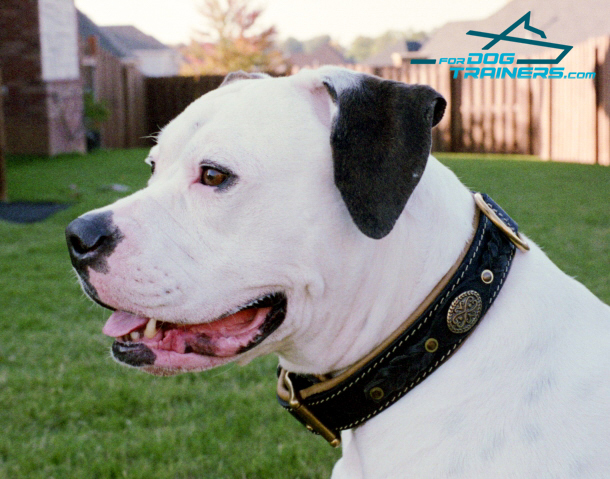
point(3, 189)
point(573, 129)
point(499, 143)
point(602, 71)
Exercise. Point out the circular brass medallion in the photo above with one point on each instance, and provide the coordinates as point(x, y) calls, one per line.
point(464, 312)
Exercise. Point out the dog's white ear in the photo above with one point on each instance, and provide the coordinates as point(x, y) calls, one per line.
point(381, 139)
point(242, 75)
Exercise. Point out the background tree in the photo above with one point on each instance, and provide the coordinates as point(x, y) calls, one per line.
point(291, 45)
point(311, 45)
point(364, 47)
point(361, 48)
point(232, 40)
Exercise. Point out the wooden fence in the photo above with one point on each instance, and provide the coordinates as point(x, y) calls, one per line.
point(557, 119)
point(120, 87)
point(483, 115)
point(576, 113)
point(166, 97)
point(3, 192)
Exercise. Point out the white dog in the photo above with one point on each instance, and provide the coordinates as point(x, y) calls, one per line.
point(276, 220)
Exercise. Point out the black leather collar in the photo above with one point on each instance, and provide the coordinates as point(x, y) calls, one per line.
point(420, 345)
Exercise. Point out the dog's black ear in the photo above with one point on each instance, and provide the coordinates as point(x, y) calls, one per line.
point(242, 75)
point(381, 138)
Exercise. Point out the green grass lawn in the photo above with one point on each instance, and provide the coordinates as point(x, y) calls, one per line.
point(68, 411)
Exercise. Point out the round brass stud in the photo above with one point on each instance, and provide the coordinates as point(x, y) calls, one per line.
point(487, 276)
point(431, 345)
point(376, 393)
point(464, 312)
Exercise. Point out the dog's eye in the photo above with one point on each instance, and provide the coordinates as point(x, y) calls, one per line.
point(152, 167)
point(213, 177)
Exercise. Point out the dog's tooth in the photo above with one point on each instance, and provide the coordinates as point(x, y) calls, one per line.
point(135, 335)
point(151, 329)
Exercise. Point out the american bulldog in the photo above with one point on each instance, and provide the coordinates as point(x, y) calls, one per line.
point(304, 216)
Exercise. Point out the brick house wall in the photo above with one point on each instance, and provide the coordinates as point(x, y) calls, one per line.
point(43, 104)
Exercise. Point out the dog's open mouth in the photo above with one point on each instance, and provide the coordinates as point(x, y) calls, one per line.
point(162, 348)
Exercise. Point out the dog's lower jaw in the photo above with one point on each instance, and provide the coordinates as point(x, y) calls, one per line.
point(171, 348)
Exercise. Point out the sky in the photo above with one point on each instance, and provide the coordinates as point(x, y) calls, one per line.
point(173, 21)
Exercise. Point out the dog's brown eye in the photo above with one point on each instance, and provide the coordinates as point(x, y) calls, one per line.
point(213, 177)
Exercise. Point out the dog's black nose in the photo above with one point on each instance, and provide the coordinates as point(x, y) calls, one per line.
point(91, 238)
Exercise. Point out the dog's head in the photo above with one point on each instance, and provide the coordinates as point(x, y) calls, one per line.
point(264, 194)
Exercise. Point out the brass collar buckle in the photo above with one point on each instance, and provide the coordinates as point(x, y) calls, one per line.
point(514, 237)
point(298, 409)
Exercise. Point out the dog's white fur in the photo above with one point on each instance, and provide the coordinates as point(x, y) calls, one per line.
point(526, 396)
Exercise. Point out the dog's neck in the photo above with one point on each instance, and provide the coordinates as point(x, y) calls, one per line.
point(397, 272)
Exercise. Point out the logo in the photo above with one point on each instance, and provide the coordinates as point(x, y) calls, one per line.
point(505, 37)
point(496, 65)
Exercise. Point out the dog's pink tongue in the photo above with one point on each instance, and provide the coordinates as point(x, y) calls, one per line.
point(121, 323)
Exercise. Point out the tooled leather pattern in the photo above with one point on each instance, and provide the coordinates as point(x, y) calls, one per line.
point(405, 368)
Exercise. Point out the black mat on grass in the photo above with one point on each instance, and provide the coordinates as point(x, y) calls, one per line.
point(29, 211)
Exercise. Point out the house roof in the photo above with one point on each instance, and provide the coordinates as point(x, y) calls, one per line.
point(385, 57)
point(120, 41)
point(130, 39)
point(87, 28)
point(563, 21)
point(324, 55)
